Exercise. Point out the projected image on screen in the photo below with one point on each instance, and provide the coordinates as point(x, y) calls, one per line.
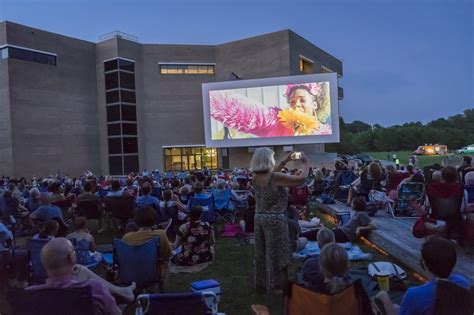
point(301, 109)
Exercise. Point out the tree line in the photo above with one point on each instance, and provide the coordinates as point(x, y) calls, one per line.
point(355, 137)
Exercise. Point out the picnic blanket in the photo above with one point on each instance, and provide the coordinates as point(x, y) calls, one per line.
point(312, 249)
point(189, 269)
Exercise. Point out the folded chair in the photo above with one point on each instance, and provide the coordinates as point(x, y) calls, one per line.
point(196, 303)
point(137, 263)
point(351, 301)
point(35, 246)
point(52, 301)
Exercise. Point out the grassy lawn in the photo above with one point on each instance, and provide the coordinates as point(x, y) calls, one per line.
point(423, 160)
point(233, 269)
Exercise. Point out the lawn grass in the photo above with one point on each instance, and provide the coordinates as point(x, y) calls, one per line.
point(403, 156)
point(233, 269)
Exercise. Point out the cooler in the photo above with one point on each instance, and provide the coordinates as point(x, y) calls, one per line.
point(207, 285)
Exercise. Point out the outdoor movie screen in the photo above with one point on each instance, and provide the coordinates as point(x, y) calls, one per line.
point(274, 111)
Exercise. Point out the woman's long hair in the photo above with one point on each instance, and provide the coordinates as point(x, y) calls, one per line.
point(452, 299)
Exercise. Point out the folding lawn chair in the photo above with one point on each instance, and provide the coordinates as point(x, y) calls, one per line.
point(196, 303)
point(52, 301)
point(408, 193)
point(35, 246)
point(207, 204)
point(224, 205)
point(137, 263)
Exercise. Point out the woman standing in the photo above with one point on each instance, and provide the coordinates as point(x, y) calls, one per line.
point(272, 244)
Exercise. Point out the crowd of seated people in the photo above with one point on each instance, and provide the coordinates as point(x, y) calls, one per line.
point(189, 239)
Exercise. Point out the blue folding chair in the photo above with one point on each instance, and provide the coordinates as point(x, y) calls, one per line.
point(35, 246)
point(224, 205)
point(137, 263)
point(52, 301)
point(196, 303)
point(207, 204)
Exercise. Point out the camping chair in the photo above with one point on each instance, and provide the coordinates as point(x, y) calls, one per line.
point(137, 263)
point(342, 184)
point(65, 206)
point(103, 192)
point(196, 303)
point(121, 208)
point(52, 301)
point(470, 193)
point(351, 301)
point(35, 246)
point(207, 204)
point(224, 206)
point(445, 202)
point(406, 194)
point(90, 210)
point(156, 192)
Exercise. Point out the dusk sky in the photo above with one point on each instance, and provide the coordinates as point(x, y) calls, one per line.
point(403, 60)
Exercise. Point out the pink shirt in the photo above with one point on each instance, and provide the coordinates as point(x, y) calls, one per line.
point(104, 302)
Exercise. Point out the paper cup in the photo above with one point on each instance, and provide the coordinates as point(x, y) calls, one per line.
point(384, 282)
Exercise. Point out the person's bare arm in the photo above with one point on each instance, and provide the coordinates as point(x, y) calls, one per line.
point(285, 180)
point(282, 163)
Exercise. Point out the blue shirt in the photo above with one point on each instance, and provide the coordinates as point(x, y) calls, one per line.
point(148, 200)
point(420, 300)
point(46, 213)
point(117, 193)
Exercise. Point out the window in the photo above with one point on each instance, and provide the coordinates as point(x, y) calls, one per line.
point(127, 65)
point(4, 53)
point(115, 165)
point(115, 145)
point(28, 55)
point(189, 158)
point(112, 97)
point(111, 65)
point(129, 113)
point(325, 70)
point(113, 130)
point(111, 80)
point(113, 113)
point(186, 69)
point(130, 145)
point(129, 129)
point(127, 80)
point(306, 65)
point(130, 163)
point(127, 96)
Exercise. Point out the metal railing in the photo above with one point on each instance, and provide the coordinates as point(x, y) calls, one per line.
point(118, 34)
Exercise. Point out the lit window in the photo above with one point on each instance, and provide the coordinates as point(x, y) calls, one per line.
point(325, 70)
point(306, 65)
point(187, 69)
point(190, 158)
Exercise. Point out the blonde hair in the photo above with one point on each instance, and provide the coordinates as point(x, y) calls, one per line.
point(334, 264)
point(325, 236)
point(263, 160)
point(318, 174)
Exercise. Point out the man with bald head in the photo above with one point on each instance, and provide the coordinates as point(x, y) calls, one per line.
point(59, 259)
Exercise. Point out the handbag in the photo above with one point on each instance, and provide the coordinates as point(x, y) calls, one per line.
point(419, 228)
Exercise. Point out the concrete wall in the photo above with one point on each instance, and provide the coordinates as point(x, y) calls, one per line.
point(300, 46)
point(53, 108)
point(172, 104)
point(6, 153)
point(254, 58)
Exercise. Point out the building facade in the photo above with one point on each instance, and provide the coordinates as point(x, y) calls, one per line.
point(118, 106)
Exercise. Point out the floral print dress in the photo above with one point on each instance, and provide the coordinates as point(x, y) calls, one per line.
point(196, 242)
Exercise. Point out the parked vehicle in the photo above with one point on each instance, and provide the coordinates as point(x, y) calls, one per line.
point(430, 149)
point(466, 149)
